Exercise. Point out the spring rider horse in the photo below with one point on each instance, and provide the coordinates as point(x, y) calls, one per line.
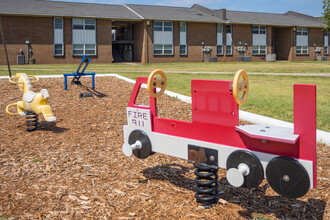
point(32, 103)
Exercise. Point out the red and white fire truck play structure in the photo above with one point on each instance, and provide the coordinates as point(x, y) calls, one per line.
point(214, 138)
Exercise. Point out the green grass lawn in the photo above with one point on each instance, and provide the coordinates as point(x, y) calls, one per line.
point(230, 67)
point(269, 95)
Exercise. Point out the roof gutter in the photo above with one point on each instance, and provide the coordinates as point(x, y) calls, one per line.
point(65, 16)
point(133, 11)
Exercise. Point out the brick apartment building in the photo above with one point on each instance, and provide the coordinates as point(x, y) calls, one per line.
point(60, 32)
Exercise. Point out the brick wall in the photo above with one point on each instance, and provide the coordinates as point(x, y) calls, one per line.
point(39, 31)
point(315, 36)
point(206, 32)
point(139, 42)
point(196, 33)
point(104, 41)
point(241, 33)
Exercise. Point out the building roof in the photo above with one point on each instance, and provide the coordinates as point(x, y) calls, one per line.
point(196, 13)
point(58, 8)
point(290, 18)
point(271, 19)
point(300, 15)
point(151, 12)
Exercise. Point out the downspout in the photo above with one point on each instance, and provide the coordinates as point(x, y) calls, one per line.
point(4, 46)
point(294, 44)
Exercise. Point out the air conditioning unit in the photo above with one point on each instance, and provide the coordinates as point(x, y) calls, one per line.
point(271, 57)
point(247, 59)
point(213, 59)
point(244, 59)
point(322, 58)
point(20, 59)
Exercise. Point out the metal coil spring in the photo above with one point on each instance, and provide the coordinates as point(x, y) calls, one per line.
point(31, 121)
point(206, 184)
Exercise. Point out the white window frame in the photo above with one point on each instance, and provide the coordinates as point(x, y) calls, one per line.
point(229, 47)
point(165, 49)
point(58, 42)
point(326, 42)
point(162, 47)
point(302, 31)
point(257, 29)
point(219, 49)
point(260, 34)
point(163, 26)
point(219, 39)
point(259, 50)
point(302, 49)
point(85, 48)
point(183, 38)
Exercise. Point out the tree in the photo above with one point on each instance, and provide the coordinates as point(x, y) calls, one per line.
point(326, 14)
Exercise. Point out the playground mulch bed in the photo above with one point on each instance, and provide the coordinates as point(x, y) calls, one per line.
point(75, 169)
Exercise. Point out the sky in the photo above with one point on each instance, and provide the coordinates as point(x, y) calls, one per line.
point(310, 7)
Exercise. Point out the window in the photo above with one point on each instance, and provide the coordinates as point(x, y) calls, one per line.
point(163, 38)
point(163, 26)
point(58, 23)
point(183, 38)
point(58, 49)
point(78, 24)
point(228, 29)
point(183, 26)
point(326, 42)
point(229, 49)
point(58, 41)
point(258, 29)
point(302, 31)
point(183, 50)
point(302, 41)
point(83, 36)
point(84, 49)
point(259, 40)
point(229, 40)
point(219, 49)
point(89, 24)
point(78, 49)
point(168, 26)
point(90, 49)
point(326, 50)
point(163, 49)
point(301, 49)
point(219, 39)
point(258, 49)
point(83, 24)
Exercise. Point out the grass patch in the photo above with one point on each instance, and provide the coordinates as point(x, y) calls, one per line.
point(269, 95)
point(230, 67)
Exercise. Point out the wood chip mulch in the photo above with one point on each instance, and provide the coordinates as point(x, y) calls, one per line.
point(75, 168)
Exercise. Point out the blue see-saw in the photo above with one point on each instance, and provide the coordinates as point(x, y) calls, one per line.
point(76, 76)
